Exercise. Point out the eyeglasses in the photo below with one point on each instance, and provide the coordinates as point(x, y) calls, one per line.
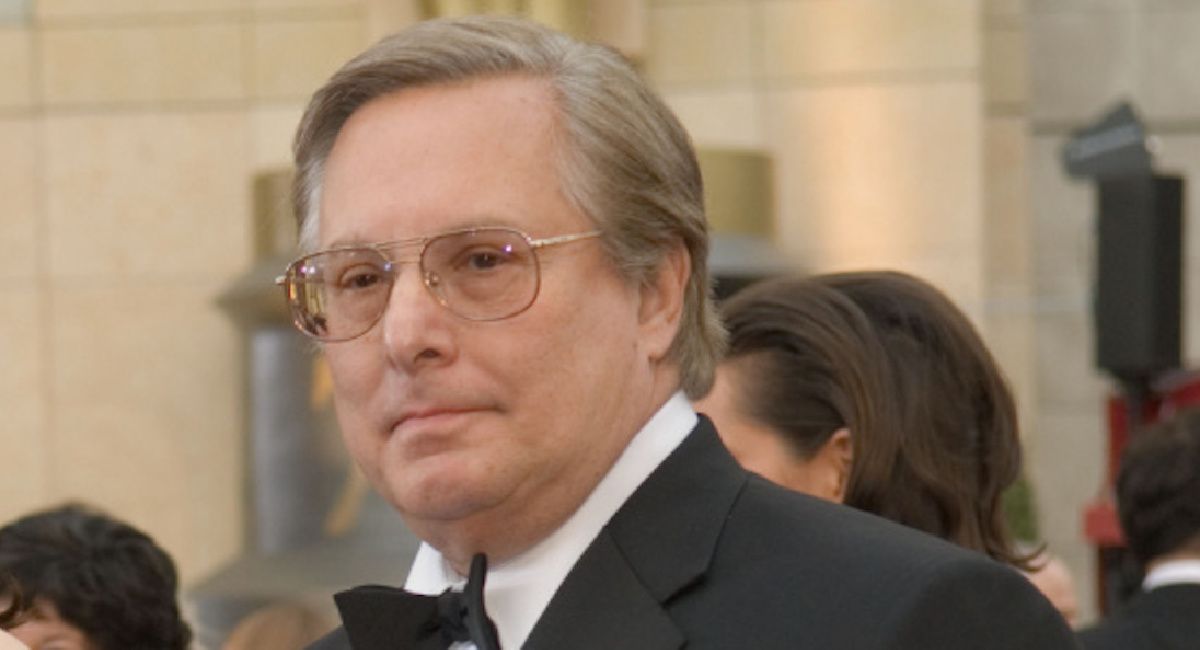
point(479, 274)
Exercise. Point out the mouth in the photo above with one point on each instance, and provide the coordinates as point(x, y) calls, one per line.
point(434, 422)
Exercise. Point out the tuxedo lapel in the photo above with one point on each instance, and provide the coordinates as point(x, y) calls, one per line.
point(615, 611)
point(659, 543)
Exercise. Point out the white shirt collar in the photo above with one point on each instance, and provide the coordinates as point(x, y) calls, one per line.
point(1172, 572)
point(517, 591)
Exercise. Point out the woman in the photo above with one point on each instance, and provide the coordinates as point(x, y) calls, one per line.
point(89, 581)
point(874, 390)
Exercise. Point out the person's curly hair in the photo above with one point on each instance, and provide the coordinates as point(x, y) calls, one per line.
point(13, 612)
point(101, 575)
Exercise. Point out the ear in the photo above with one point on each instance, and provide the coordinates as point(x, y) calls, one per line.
point(661, 302)
point(837, 454)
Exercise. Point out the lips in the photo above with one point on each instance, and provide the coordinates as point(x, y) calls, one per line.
point(432, 415)
point(432, 419)
point(431, 432)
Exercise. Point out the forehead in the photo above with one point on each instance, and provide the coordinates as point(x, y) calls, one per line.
point(45, 626)
point(433, 158)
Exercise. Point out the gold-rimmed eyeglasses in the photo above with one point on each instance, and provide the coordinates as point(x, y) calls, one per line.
point(479, 274)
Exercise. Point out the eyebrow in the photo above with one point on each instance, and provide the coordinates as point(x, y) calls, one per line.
point(480, 221)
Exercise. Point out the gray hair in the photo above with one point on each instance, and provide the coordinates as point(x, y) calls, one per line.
point(628, 163)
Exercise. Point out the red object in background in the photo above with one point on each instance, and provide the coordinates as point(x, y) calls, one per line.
point(1101, 526)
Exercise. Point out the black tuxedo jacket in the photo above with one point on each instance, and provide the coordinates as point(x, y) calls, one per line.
point(1166, 618)
point(707, 556)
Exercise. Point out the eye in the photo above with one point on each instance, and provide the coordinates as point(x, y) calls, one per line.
point(484, 260)
point(481, 258)
point(360, 277)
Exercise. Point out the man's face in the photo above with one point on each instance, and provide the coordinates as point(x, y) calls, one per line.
point(44, 629)
point(458, 421)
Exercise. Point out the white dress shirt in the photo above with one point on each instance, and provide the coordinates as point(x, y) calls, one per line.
point(1172, 572)
point(518, 590)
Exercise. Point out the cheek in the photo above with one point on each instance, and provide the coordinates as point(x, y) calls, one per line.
point(342, 358)
point(354, 375)
point(355, 384)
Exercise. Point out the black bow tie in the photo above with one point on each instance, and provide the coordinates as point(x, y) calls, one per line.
point(386, 618)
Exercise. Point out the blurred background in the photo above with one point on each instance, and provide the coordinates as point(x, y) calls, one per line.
point(144, 145)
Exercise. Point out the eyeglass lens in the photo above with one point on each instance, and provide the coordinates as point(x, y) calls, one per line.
point(483, 274)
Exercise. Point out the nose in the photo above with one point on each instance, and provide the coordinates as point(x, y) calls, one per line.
point(416, 330)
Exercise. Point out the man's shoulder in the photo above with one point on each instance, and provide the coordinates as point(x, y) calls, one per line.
point(851, 579)
point(762, 527)
point(803, 524)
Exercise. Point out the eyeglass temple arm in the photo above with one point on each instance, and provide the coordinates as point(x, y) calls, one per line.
point(564, 239)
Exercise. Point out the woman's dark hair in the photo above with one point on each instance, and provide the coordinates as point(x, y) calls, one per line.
point(101, 575)
point(802, 353)
point(890, 357)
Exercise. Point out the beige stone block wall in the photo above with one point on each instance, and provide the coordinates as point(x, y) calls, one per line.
point(130, 135)
point(1166, 67)
point(16, 75)
point(24, 483)
point(138, 64)
point(1008, 223)
point(289, 63)
point(702, 44)
point(273, 127)
point(871, 112)
point(1004, 9)
point(1083, 59)
point(869, 37)
point(23, 397)
point(1006, 66)
point(722, 117)
point(18, 200)
point(1009, 311)
point(874, 174)
point(266, 5)
point(147, 418)
point(136, 9)
point(161, 195)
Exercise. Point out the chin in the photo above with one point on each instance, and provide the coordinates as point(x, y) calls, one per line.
point(446, 494)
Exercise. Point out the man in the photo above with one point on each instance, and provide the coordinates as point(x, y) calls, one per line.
point(1158, 500)
point(91, 582)
point(506, 270)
